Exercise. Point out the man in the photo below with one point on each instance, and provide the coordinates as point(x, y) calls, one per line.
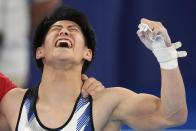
point(64, 46)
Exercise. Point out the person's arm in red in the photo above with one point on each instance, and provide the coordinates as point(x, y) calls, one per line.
point(5, 85)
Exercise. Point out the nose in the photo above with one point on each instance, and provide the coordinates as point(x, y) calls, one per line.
point(64, 32)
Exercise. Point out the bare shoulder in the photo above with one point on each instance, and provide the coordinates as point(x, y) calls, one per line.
point(10, 104)
point(13, 98)
point(104, 106)
point(115, 93)
point(111, 98)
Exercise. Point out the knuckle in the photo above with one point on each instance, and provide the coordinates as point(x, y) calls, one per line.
point(142, 19)
point(98, 82)
point(159, 23)
point(91, 79)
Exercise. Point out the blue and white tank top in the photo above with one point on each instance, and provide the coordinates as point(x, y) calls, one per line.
point(79, 120)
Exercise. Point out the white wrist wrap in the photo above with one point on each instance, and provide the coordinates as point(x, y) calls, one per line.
point(166, 56)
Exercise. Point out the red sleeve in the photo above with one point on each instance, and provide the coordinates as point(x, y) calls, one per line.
point(5, 85)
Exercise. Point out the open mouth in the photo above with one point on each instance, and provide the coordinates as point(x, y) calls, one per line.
point(63, 44)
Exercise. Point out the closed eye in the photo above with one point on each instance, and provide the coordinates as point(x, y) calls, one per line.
point(73, 28)
point(56, 27)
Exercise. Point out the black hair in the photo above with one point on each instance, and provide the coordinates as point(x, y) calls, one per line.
point(65, 13)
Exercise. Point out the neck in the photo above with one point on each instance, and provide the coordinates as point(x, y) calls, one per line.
point(60, 85)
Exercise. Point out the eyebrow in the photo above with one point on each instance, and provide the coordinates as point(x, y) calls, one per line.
point(69, 26)
point(57, 26)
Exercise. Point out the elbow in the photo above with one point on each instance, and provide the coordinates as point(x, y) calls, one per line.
point(181, 117)
point(178, 118)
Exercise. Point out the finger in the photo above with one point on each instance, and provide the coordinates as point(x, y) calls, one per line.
point(88, 82)
point(96, 89)
point(148, 22)
point(141, 27)
point(144, 20)
point(158, 29)
point(166, 37)
point(177, 44)
point(182, 53)
point(84, 93)
point(84, 77)
point(93, 86)
point(100, 88)
point(155, 31)
point(139, 33)
point(144, 27)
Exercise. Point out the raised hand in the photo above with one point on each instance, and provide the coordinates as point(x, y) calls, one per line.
point(155, 37)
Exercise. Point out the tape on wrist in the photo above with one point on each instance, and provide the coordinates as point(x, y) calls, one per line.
point(172, 64)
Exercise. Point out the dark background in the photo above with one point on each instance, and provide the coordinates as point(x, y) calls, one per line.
point(122, 60)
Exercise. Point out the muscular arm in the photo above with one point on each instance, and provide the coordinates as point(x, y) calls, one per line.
point(148, 112)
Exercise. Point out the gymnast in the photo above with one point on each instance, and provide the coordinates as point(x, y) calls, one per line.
point(64, 46)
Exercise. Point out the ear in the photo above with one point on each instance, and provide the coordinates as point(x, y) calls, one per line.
point(39, 52)
point(88, 54)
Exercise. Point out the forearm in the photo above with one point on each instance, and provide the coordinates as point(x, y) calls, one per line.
point(173, 98)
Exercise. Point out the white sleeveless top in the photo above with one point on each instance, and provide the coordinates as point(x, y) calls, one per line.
point(80, 119)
